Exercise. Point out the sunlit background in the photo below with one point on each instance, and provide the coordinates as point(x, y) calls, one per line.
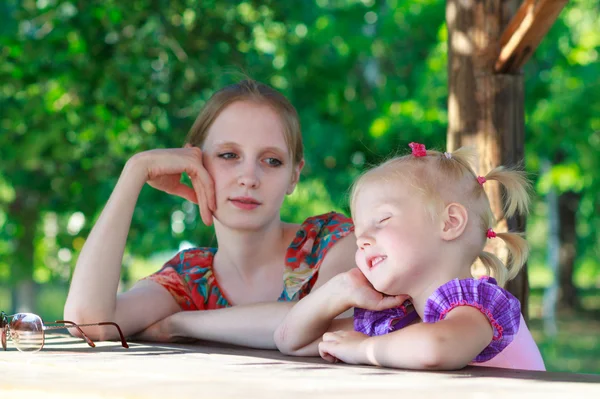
point(85, 85)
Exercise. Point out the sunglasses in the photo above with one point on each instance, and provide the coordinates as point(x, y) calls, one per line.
point(26, 330)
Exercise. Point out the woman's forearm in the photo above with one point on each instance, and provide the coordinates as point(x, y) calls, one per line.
point(309, 319)
point(93, 291)
point(251, 326)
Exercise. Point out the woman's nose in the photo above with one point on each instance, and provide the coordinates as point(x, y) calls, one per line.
point(248, 176)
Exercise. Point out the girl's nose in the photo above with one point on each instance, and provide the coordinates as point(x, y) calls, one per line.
point(364, 241)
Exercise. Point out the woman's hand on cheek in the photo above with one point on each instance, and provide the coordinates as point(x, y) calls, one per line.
point(164, 168)
point(363, 295)
point(345, 346)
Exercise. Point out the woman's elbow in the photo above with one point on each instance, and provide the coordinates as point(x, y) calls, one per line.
point(282, 341)
point(75, 315)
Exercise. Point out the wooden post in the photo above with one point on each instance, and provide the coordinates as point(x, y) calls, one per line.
point(488, 43)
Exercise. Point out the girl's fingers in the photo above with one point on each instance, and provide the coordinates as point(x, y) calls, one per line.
point(333, 336)
point(391, 302)
point(326, 356)
point(328, 337)
point(324, 348)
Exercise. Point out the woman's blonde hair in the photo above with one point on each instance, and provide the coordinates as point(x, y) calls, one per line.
point(253, 91)
point(442, 178)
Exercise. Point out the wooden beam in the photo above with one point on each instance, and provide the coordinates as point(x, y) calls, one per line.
point(524, 33)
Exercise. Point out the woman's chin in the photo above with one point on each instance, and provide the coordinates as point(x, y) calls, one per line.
point(246, 223)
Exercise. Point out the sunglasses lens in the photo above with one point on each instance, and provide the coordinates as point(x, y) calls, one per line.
point(27, 332)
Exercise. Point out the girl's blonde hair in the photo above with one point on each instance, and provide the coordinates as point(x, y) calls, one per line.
point(260, 93)
point(442, 178)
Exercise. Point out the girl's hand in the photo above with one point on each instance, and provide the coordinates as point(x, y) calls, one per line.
point(163, 170)
point(362, 294)
point(346, 346)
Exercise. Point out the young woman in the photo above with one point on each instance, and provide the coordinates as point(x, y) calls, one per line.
point(244, 154)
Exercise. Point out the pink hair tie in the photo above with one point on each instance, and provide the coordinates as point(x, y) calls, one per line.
point(490, 233)
point(481, 180)
point(418, 150)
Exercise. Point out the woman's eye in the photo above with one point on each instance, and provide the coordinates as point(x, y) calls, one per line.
point(273, 162)
point(227, 155)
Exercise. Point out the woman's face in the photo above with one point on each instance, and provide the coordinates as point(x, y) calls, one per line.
point(246, 154)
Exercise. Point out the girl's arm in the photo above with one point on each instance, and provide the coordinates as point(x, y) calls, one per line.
point(449, 344)
point(300, 332)
point(93, 292)
point(302, 329)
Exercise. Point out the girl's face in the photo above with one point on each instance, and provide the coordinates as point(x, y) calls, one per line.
point(396, 237)
point(247, 157)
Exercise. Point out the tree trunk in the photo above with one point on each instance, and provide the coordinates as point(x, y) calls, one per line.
point(568, 203)
point(486, 110)
point(23, 214)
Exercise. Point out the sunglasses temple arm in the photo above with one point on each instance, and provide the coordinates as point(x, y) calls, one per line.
point(110, 323)
point(70, 323)
point(104, 323)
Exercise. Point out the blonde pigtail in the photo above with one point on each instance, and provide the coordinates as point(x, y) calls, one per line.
point(517, 188)
point(494, 267)
point(518, 250)
point(466, 157)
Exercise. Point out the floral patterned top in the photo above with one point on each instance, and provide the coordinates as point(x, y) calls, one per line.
point(190, 279)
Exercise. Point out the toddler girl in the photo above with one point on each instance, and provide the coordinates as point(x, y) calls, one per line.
point(421, 221)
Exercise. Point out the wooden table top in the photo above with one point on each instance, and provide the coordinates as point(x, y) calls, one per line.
point(68, 368)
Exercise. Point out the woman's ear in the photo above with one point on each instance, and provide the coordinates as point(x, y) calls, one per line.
point(295, 177)
point(454, 218)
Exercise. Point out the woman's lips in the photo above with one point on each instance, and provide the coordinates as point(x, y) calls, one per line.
point(246, 203)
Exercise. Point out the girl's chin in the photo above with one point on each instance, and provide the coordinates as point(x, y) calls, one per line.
point(386, 288)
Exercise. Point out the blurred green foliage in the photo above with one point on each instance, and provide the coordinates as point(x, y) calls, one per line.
point(85, 85)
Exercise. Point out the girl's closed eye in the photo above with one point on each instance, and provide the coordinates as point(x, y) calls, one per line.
point(383, 219)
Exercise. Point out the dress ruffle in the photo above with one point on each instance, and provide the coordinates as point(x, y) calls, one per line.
point(380, 322)
point(501, 308)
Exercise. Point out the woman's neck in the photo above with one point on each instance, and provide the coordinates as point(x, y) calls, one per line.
point(249, 251)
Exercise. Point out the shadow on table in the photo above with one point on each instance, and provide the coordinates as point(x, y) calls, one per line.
point(139, 348)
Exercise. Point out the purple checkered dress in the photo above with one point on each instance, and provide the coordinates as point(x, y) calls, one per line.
point(501, 308)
